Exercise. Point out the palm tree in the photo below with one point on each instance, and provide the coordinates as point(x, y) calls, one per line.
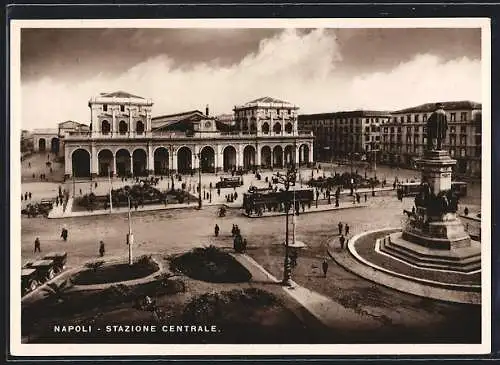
point(57, 292)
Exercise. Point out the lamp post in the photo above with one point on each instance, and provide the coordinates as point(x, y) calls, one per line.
point(130, 236)
point(199, 180)
point(287, 180)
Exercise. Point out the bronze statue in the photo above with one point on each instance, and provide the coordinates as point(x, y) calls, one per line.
point(437, 126)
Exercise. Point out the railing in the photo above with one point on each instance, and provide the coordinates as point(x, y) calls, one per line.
point(181, 135)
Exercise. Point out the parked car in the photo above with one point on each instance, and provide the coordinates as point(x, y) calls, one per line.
point(44, 270)
point(29, 281)
point(59, 259)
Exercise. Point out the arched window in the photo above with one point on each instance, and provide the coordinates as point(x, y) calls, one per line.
point(139, 127)
point(265, 128)
point(289, 127)
point(123, 128)
point(277, 128)
point(105, 127)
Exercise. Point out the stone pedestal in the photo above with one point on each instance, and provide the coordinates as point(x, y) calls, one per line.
point(436, 169)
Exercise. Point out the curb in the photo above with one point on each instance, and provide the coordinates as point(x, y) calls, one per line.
point(280, 214)
point(421, 287)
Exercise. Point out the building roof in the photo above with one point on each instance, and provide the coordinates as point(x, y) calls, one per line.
point(345, 114)
point(169, 120)
point(447, 105)
point(45, 131)
point(119, 94)
point(70, 123)
point(264, 100)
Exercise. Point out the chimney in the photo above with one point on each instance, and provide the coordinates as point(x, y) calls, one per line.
point(206, 110)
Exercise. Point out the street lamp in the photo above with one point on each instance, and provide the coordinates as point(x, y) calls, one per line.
point(287, 180)
point(199, 180)
point(130, 236)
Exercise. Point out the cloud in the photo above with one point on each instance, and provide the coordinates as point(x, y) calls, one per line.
point(302, 67)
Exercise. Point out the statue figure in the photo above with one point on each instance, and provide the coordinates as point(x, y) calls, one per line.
point(437, 126)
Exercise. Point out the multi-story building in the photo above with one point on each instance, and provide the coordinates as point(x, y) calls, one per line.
point(396, 138)
point(353, 134)
point(126, 140)
point(403, 139)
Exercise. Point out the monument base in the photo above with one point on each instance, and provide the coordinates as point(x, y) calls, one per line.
point(439, 235)
point(459, 258)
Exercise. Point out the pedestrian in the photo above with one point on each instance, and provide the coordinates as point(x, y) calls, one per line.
point(29, 165)
point(21, 197)
point(37, 245)
point(346, 229)
point(366, 197)
point(29, 195)
point(102, 249)
point(95, 185)
point(325, 267)
point(358, 198)
point(216, 230)
point(48, 157)
point(136, 205)
point(64, 234)
point(235, 195)
point(25, 196)
point(342, 241)
point(33, 175)
point(466, 211)
point(340, 228)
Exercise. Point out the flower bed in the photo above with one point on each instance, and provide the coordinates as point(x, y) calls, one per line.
point(212, 265)
point(115, 273)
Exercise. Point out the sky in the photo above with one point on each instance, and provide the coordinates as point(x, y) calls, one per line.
point(319, 70)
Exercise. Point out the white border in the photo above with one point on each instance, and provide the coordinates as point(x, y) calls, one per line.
point(19, 349)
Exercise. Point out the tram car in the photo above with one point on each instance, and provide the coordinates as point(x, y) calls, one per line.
point(29, 281)
point(229, 182)
point(254, 199)
point(59, 259)
point(413, 189)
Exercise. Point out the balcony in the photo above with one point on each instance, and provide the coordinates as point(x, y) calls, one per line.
point(182, 135)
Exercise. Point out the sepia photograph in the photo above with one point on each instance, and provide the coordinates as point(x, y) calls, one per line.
point(199, 186)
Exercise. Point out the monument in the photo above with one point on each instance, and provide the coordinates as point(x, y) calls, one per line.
point(433, 236)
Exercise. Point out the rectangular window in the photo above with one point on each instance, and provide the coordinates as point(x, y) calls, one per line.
point(402, 119)
point(463, 116)
point(122, 108)
point(424, 117)
point(453, 117)
point(416, 118)
point(408, 118)
point(463, 129)
point(105, 107)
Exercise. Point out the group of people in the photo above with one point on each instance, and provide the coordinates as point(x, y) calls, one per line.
point(26, 196)
point(344, 234)
point(239, 243)
point(231, 197)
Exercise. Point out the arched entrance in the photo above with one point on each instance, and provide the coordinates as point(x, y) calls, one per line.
point(289, 155)
point(161, 161)
point(123, 162)
point(140, 160)
point(184, 158)
point(265, 157)
point(41, 145)
point(278, 156)
point(80, 160)
point(207, 159)
point(248, 158)
point(54, 145)
point(123, 127)
point(229, 158)
point(304, 154)
point(105, 161)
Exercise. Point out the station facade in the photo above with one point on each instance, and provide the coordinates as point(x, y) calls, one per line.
point(126, 140)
